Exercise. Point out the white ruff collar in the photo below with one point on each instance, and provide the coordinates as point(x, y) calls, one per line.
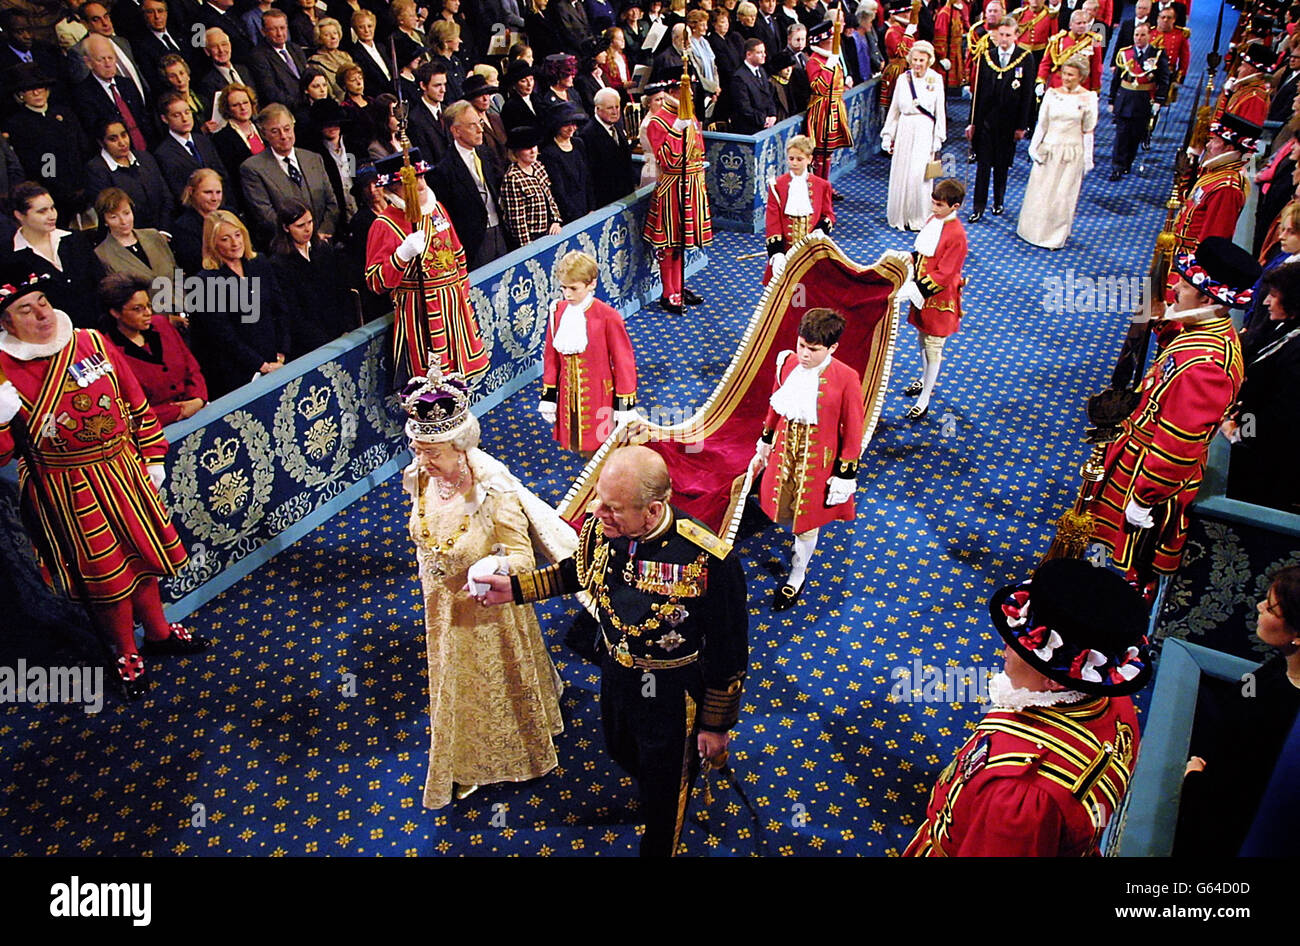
point(1004, 696)
point(798, 199)
point(1200, 314)
point(26, 351)
point(426, 205)
point(571, 336)
point(796, 398)
point(927, 241)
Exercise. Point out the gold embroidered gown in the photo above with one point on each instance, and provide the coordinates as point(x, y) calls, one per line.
point(493, 691)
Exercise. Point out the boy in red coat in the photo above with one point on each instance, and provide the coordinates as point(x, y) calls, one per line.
point(589, 369)
point(935, 291)
point(798, 202)
point(813, 432)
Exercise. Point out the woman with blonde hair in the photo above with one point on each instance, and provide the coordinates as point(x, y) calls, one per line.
point(1061, 150)
point(203, 193)
point(240, 328)
point(445, 43)
point(913, 134)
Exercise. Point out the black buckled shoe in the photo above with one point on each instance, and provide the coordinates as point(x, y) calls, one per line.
point(676, 308)
point(913, 389)
point(691, 298)
point(132, 677)
point(917, 413)
point(785, 597)
point(180, 642)
point(998, 210)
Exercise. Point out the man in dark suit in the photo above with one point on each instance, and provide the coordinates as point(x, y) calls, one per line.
point(220, 14)
point(1279, 108)
point(425, 126)
point(468, 182)
point(570, 18)
point(99, 22)
point(1002, 105)
point(159, 39)
point(104, 94)
point(753, 106)
point(769, 27)
point(1141, 79)
point(20, 45)
point(282, 173)
point(181, 151)
point(1142, 13)
point(608, 151)
point(222, 69)
point(278, 65)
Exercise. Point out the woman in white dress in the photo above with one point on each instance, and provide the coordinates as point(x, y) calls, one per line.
point(1061, 150)
point(914, 132)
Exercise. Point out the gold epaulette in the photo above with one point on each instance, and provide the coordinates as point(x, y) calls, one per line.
point(1186, 31)
point(697, 535)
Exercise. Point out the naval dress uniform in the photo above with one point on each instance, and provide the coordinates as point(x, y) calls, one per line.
point(1139, 79)
point(673, 645)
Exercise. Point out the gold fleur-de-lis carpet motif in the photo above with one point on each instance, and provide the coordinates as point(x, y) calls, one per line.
point(305, 729)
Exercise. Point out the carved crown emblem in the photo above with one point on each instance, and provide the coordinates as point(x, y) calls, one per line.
point(222, 455)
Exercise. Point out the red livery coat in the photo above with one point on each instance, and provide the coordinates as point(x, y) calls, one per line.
point(898, 45)
point(1211, 208)
point(677, 153)
point(951, 24)
point(92, 445)
point(588, 387)
point(1248, 98)
point(777, 223)
point(1061, 48)
point(833, 447)
point(1178, 49)
point(449, 338)
point(1035, 28)
point(1160, 456)
point(940, 279)
point(828, 118)
point(1043, 782)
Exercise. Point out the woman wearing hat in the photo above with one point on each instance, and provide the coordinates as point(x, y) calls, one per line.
point(557, 73)
point(99, 472)
point(913, 133)
point(520, 108)
point(493, 691)
point(47, 135)
point(530, 209)
point(1061, 150)
point(1048, 765)
point(1154, 469)
point(326, 119)
point(478, 92)
point(565, 158)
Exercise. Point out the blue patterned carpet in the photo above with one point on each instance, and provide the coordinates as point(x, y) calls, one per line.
point(259, 733)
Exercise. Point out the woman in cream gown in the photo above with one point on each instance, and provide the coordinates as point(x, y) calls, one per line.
point(913, 138)
point(493, 691)
point(1061, 150)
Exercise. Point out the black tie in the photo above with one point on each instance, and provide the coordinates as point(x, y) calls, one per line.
point(294, 174)
point(169, 42)
point(193, 150)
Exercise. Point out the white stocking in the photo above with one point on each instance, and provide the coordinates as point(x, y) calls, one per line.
point(932, 361)
point(805, 543)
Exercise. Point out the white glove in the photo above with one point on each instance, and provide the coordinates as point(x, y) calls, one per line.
point(157, 473)
point(547, 410)
point(911, 30)
point(679, 124)
point(490, 565)
point(778, 265)
point(1036, 157)
point(10, 402)
point(762, 453)
point(412, 246)
point(625, 417)
point(819, 232)
point(1138, 515)
point(886, 144)
point(832, 60)
point(1155, 109)
point(840, 490)
point(912, 293)
point(1040, 88)
point(946, 64)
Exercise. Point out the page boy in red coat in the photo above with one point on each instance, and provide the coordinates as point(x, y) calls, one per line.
point(935, 291)
point(812, 439)
point(588, 367)
point(798, 202)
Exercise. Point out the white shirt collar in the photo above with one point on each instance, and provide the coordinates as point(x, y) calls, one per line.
point(183, 141)
point(20, 243)
point(112, 162)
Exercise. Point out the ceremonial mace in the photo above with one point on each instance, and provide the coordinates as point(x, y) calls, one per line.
point(685, 111)
point(63, 547)
point(411, 196)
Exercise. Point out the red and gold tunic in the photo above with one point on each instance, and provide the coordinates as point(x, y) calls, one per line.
point(940, 280)
point(897, 47)
point(951, 23)
point(677, 153)
point(587, 388)
point(91, 444)
point(806, 456)
point(1160, 457)
point(1035, 29)
point(1211, 208)
point(782, 232)
point(1248, 98)
point(828, 119)
point(1042, 782)
point(1063, 47)
point(449, 337)
point(1177, 44)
